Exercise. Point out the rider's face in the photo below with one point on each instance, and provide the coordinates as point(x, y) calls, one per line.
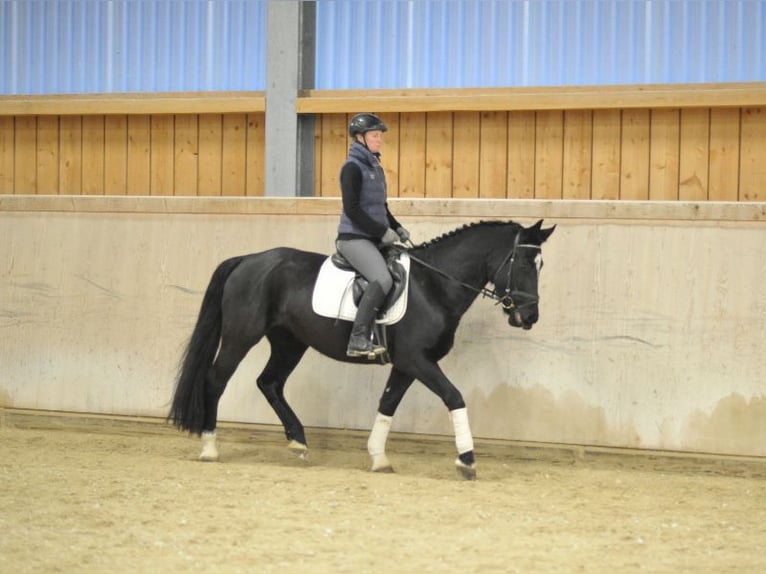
point(374, 140)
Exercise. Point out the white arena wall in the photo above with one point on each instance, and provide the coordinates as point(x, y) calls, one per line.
point(652, 331)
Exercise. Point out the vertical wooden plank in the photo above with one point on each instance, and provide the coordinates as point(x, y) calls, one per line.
point(391, 155)
point(334, 152)
point(7, 136)
point(549, 154)
point(25, 158)
point(256, 146)
point(465, 176)
point(185, 154)
point(723, 170)
point(634, 156)
point(493, 155)
point(412, 154)
point(93, 155)
point(162, 153)
point(752, 173)
point(695, 151)
point(578, 145)
point(439, 136)
point(116, 155)
point(70, 155)
point(664, 154)
point(318, 122)
point(234, 157)
point(521, 155)
point(48, 155)
point(139, 142)
point(210, 148)
point(607, 127)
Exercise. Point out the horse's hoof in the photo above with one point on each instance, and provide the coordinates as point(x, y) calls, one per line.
point(298, 448)
point(209, 448)
point(467, 471)
point(380, 463)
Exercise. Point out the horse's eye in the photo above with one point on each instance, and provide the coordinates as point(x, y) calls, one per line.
point(539, 262)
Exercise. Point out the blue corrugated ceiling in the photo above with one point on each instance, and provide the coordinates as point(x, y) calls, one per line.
point(71, 46)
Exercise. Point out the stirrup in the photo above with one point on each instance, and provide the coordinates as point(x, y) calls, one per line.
point(372, 352)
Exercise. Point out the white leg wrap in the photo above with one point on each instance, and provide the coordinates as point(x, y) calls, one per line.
point(376, 444)
point(463, 436)
point(209, 448)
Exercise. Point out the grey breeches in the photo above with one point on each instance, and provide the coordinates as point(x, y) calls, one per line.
point(365, 257)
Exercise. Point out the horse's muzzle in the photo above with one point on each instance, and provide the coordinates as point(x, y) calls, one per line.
point(520, 318)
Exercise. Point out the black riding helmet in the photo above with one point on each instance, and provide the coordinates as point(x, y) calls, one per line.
point(363, 123)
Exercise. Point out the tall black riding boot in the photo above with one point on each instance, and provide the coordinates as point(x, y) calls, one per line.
point(360, 342)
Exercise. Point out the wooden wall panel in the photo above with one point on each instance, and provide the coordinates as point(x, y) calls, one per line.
point(663, 154)
point(493, 154)
point(185, 154)
point(234, 154)
point(161, 154)
point(607, 128)
point(465, 175)
point(578, 148)
point(685, 153)
point(139, 137)
point(25, 158)
point(391, 158)
point(93, 155)
point(47, 155)
point(723, 169)
point(439, 137)
point(549, 154)
point(695, 153)
point(412, 155)
point(70, 155)
point(521, 154)
point(115, 155)
point(634, 155)
point(7, 153)
point(210, 160)
point(334, 151)
point(256, 147)
point(752, 173)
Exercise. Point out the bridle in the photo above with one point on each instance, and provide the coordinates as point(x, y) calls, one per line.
point(509, 296)
point(507, 300)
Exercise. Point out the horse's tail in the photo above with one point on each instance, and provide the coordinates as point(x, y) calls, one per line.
point(188, 409)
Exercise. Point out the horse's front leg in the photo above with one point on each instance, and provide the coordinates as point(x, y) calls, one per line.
point(431, 375)
point(397, 384)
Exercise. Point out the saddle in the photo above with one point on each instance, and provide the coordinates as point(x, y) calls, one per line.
point(339, 288)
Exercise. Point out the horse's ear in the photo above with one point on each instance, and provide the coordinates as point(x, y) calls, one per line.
point(545, 233)
point(537, 226)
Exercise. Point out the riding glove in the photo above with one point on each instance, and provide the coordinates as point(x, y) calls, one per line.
point(403, 234)
point(389, 237)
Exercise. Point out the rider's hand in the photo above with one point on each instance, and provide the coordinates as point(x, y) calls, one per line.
point(403, 234)
point(389, 237)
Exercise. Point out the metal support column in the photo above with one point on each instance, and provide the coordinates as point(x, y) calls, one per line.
point(289, 161)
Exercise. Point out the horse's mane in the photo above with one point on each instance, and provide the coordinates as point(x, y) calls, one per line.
point(463, 229)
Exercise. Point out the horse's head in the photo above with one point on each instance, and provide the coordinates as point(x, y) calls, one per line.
point(517, 276)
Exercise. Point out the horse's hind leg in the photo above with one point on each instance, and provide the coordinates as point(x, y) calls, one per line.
point(397, 385)
point(286, 353)
point(218, 376)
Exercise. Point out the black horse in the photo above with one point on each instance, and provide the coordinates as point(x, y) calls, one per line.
point(269, 294)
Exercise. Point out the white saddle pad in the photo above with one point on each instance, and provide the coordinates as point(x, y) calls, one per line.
point(333, 294)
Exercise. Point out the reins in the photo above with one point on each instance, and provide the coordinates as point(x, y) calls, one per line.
point(506, 300)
